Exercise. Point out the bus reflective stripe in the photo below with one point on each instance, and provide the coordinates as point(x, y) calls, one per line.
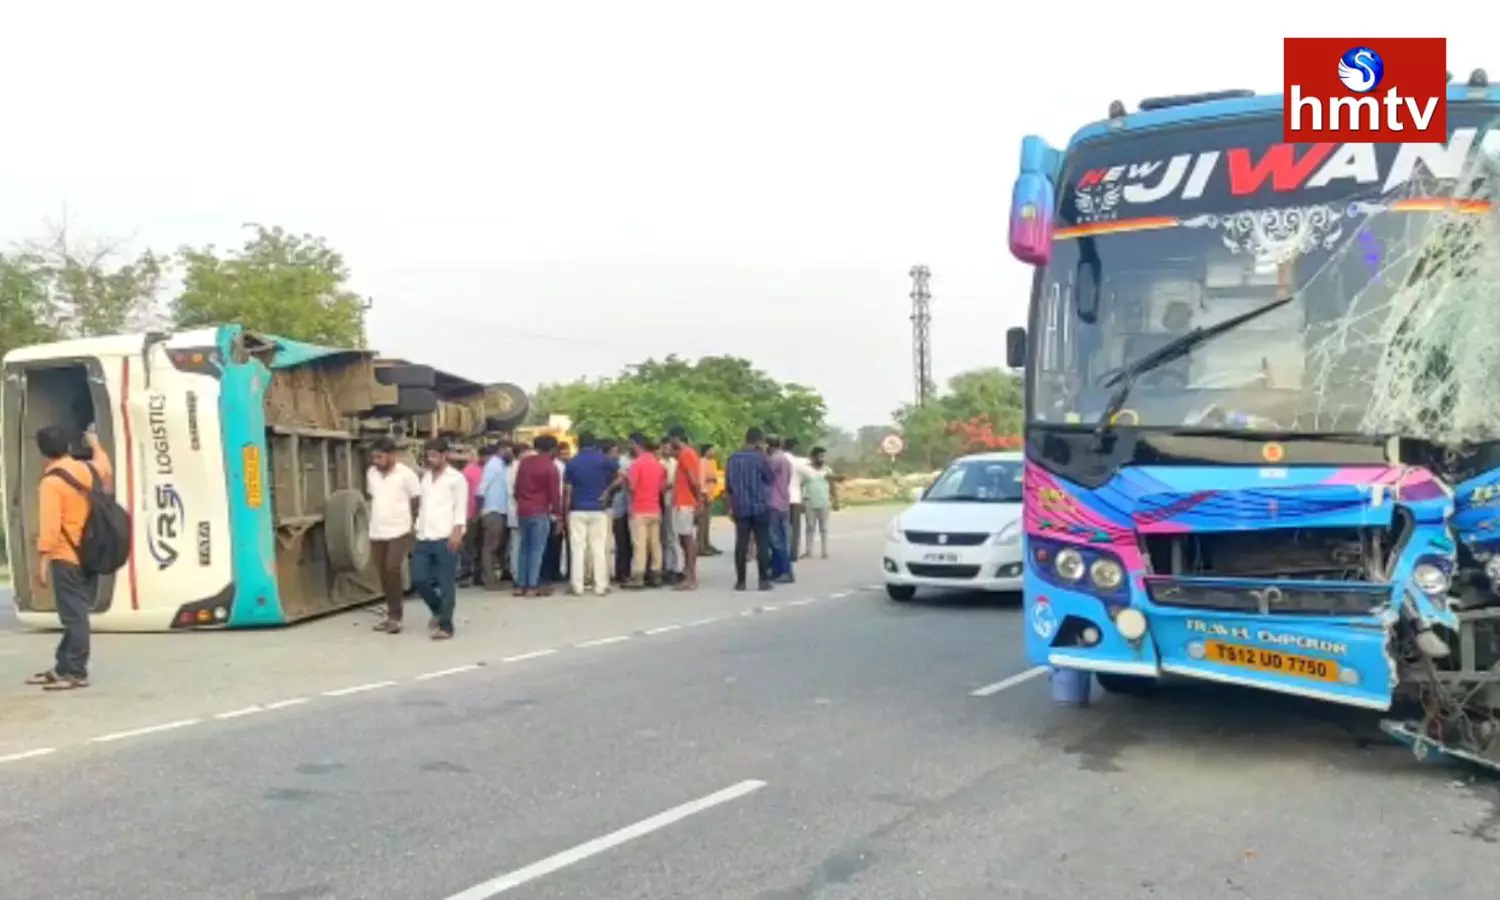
point(128, 452)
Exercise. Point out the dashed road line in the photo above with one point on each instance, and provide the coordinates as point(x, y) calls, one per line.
point(600, 642)
point(359, 688)
point(444, 673)
point(142, 732)
point(27, 754)
point(258, 708)
point(1007, 683)
point(557, 861)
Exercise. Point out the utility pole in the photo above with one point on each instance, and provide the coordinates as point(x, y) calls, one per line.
point(364, 307)
point(921, 336)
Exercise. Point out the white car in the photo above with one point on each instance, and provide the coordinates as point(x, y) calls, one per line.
point(963, 532)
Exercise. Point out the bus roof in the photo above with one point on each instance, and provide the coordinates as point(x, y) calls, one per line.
point(1238, 107)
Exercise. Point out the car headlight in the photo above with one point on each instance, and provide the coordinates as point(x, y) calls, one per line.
point(1068, 564)
point(893, 530)
point(1106, 574)
point(1009, 535)
point(1429, 578)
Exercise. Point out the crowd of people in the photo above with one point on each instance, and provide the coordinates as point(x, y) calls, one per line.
point(632, 514)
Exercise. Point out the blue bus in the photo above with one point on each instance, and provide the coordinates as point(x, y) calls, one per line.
point(1263, 439)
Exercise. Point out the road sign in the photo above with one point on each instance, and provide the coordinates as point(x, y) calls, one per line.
point(892, 445)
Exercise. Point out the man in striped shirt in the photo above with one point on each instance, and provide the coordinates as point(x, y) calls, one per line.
point(747, 487)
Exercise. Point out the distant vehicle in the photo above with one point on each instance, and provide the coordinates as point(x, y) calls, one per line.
point(241, 459)
point(963, 532)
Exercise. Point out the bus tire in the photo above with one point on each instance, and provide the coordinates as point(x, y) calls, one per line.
point(404, 375)
point(506, 406)
point(346, 531)
point(410, 401)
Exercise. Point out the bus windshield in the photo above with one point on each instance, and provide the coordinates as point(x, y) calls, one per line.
point(1383, 246)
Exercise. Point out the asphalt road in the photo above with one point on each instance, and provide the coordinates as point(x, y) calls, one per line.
point(825, 749)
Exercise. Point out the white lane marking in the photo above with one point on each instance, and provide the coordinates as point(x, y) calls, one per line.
point(359, 689)
point(1005, 683)
point(600, 642)
point(802, 602)
point(443, 673)
point(839, 596)
point(27, 754)
point(240, 713)
point(696, 622)
point(525, 656)
point(502, 883)
point(283, 704)
point(663, 629)
point(770, 607)
point(139, 732)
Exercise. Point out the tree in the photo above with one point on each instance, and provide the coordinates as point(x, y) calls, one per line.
point(87, 286)
point(980, 410)
point(286, 284)
point(25, 313)
point(716, 399)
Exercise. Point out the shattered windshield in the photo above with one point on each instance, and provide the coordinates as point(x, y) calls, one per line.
point(1391, 250)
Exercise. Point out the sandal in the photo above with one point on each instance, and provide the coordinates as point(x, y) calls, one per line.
point(66, 683)
point(42, 679)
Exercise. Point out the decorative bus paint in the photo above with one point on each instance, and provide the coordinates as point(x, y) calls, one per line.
point(229, 510)
point(1109, 507)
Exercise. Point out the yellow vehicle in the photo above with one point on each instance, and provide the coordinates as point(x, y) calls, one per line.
point(558, 426)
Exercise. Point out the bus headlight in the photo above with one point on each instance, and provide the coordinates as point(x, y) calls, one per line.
point(1068, 564)
point(1430, 579)
point(1106, 574)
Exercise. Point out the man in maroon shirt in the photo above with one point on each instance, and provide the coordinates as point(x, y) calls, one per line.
point(538, 503)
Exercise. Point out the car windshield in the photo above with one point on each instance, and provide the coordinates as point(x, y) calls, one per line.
point(978, 481)
point(1385, 247)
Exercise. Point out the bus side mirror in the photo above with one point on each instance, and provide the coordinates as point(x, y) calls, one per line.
point(1015, 347)
point(1031, 203)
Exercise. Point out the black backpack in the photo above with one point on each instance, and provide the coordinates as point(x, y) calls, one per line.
point(104, 546)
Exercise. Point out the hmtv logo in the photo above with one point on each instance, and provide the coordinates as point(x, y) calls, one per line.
point(1365, 90)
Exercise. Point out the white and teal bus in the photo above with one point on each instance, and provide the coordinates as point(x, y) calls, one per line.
point(240, 459)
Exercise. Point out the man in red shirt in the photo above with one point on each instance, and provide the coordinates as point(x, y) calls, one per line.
point(687, 503)
point(538, 503)
point(647, 479)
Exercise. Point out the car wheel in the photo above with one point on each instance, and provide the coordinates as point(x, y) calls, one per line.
point(1128, 685)
point(900, 592)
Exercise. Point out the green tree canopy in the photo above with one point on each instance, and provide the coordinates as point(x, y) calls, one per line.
point(287, 284)
point(936, 433)
point(716, 399)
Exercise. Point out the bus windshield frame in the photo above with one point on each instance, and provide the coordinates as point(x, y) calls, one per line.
point(1163, 231)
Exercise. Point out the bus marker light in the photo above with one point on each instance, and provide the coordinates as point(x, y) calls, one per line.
point(1131, 623)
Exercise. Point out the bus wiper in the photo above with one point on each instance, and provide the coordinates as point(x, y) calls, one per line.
point(1123, 379)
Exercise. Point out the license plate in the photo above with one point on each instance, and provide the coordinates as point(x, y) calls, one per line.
point(1262, 660)
point(940, 557)
point(253, 495)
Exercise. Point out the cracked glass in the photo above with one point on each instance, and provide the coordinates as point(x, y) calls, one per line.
point(1392, 252)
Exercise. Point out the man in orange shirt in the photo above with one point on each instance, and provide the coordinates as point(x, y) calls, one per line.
point(62, 510)
point(687, 503)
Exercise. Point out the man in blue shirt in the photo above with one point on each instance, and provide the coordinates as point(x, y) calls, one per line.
point(747, 487)
point(494, 503)
point(586, 479)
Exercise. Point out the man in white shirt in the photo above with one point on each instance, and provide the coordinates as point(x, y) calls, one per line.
point(513, 520)
point(440, 534)
point(393, 489)
point(794, 492)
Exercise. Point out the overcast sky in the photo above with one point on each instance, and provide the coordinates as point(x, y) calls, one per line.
point(539, 191)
